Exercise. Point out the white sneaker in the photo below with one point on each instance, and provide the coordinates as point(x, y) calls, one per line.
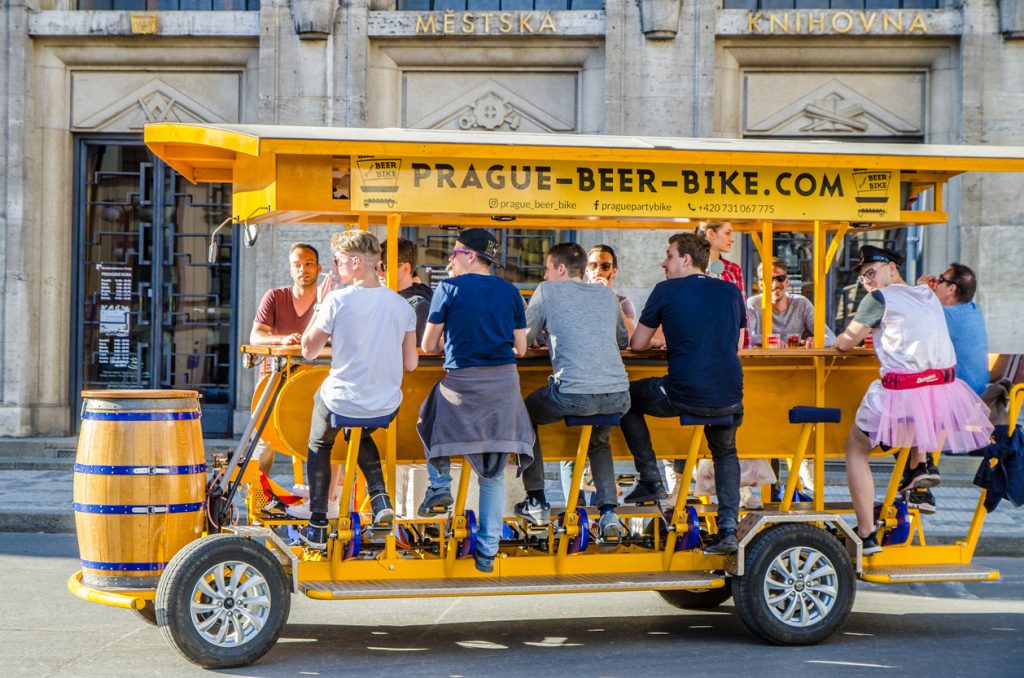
point(300, 491)
point(302, 511)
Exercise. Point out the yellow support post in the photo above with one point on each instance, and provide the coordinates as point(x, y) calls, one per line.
point(394, 222)
point(682, 492)
point(571, 526)
point(458, 518)
point(764, 248)
point(794, 467)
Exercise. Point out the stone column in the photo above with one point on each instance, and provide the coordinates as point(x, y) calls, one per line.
point(656, 84)
point(991, 210)
point(19, 315)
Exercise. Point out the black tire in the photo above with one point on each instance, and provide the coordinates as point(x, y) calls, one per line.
point(698, 599)
point(235, 634)
point(820, 604)
point(147, 614)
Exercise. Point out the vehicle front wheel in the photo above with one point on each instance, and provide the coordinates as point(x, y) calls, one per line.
point(223, 601)
point(798, 585)
point(699, 599)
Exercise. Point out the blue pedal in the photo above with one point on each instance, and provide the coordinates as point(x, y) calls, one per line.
point(467, 546)
point(353, 546)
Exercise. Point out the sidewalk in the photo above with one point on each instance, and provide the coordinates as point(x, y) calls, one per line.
point(39, 499)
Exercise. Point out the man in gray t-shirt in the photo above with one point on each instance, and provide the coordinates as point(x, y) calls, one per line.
point(585, 330)
point(792, 314)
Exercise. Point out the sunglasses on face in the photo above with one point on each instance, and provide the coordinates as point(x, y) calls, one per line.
point(603, 265)
point(780, 278)
point(942, 280)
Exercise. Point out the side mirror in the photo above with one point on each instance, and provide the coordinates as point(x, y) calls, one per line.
point(213, 251)
point(249, 233)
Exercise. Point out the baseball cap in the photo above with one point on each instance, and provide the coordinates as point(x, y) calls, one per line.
point(481, 241)
point(869, 254)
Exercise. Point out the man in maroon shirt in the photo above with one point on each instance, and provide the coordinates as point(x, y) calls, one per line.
point(285, 312)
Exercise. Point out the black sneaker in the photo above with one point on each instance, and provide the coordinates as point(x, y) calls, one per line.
point(383, 512)
point(921, 477)
point(869, 545)
point(314, 536)
point(436, 502)
point(533, 511)
point(645, 492)
point(922, 500)
point(483, 563)
point(725, 544)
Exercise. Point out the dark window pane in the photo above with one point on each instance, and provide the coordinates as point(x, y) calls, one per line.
point(549, 4)
point(517, 5)
point(847, 4)
point(413, 5)
point(455, 5)
point(740, 4)
point(922, 4)
point(777, 4)
point(587, 4)
point(484, 5)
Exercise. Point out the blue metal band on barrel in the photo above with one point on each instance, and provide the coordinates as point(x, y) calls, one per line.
point(98, 469)
point(137, 510)
point(122, 567)
point(140, 416)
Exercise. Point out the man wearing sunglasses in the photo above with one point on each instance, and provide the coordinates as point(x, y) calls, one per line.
point(792, 314)
point(602, 267)
point(918, 402)
point(955, 289)
point(475, 411)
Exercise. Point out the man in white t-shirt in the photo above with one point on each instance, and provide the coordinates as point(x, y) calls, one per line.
point(373, 337)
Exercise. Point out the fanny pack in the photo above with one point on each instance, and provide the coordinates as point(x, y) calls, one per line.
point(901, 382)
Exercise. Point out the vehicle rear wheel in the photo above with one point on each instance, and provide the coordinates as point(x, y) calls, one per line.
point(698, 599)
point(223, 601)
point(147, 613)
point(798, 587)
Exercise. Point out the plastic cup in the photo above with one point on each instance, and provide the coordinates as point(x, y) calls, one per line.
point(774, 341)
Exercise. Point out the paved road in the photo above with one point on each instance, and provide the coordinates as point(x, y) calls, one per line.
point(934, 630)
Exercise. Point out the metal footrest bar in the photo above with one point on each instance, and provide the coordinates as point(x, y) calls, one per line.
point(906, 574)
point(481, 586)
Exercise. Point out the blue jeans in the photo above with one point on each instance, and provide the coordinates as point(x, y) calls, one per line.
point(548, 405)
point(648, 397)
point(490, 512)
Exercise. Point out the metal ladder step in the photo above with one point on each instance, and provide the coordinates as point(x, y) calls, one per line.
point(490, 586)
point(906, 574)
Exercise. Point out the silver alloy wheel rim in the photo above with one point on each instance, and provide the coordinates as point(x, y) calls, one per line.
point(800, 587)
point(230, 604)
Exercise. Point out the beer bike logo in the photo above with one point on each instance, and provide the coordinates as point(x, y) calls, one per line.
point(380, 176)
point(872, 189)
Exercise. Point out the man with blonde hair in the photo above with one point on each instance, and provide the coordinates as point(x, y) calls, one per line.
point(373, 337)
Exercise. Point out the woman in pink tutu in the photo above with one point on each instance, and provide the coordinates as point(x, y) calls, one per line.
point(918, 402)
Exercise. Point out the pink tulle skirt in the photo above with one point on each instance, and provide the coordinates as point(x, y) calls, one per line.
point(946, 416)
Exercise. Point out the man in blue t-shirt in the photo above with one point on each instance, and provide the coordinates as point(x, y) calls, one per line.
point(701, 318)
point(955, 289)
point(475, 411)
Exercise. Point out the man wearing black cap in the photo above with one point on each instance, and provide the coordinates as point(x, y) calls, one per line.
point(475, 410)
point(918, 402)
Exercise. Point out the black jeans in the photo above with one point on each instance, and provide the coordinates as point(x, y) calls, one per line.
point(547, 405)
point(648, 397)
point(318, 463)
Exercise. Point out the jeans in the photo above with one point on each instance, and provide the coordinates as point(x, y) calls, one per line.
point(490, 513)
point(547, 405)
point(318, 463)
point(439, 472)
point(648, 397)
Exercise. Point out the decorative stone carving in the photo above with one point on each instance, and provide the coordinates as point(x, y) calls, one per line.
point(490, 112)
point(834, 109)
point(156, 101)
point(492, 106)
point(659, 19)
point(314, 19)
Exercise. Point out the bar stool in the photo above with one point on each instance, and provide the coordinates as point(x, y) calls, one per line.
point(574, 524)
point(349, 529)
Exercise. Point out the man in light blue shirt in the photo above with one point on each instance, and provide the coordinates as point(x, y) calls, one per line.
point(955, 289)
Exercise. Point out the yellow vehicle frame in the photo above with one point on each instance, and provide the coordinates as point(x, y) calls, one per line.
point(289, 175)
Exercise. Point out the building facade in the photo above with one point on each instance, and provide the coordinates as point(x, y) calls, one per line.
point(105, 275)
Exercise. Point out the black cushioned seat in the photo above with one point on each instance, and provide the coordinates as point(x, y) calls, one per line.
point(594, 420)
point(338, 421)
point(815, 415)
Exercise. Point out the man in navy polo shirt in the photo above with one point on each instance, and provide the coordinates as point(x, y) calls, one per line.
point(701, 318)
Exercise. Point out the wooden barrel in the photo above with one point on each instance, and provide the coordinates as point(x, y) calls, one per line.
point(140, 484)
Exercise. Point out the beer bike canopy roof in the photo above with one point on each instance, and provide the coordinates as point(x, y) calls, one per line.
point(336, 175)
